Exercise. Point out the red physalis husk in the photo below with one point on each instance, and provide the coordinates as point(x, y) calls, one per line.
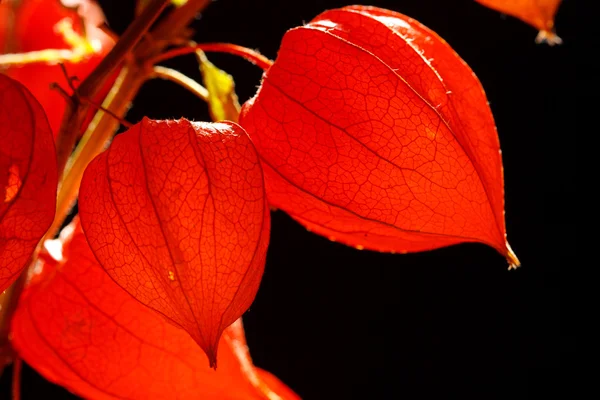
point(28, 178)
point(373, 132)
point(31, 26)
point(176, 213)
point(79, 329)
point(537, 13)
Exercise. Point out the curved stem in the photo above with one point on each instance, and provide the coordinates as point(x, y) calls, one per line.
point(180, 79)
point(237, 342)
point(248, 54)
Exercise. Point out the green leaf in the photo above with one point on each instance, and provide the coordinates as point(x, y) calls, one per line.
point(222, 101)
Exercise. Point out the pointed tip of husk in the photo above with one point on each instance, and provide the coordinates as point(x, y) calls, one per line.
point(549, 37)
point(211, 353)
point(212, 360)
point(511, 257)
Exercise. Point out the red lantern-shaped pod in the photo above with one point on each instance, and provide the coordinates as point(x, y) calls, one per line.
point(28, 178)
point(375, 133)
point(176, 213)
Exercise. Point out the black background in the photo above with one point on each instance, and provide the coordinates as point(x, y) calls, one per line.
point(334, 322)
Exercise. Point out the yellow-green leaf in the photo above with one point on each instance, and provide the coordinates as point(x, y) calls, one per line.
point(143, 3)
point(222, 101)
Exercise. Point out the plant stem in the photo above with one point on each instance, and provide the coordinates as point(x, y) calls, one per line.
point(169, 29)
point(74, 114)
point(248, 54)
point(182, 80)
point(237, 342)
point(16, 379)
point(67, 97)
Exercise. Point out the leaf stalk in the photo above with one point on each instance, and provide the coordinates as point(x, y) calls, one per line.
point(247, 54)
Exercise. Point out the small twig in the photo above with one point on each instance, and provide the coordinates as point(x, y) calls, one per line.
point(80, 99)
point(248, 54)
point(108, 32)
point(182, 80)
point(66, 96)
point(97, 106)
point(69, 98)
point(69, 79)
point(16, 378)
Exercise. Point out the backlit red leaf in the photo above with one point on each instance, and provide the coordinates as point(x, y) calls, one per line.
point(80, 330)
point(34, 25)
point(373, 132)
point(537, 13)
point(175, 212)
point(28, 178)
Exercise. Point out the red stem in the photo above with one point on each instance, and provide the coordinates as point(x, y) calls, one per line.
point(16, 378)
point(248, 54)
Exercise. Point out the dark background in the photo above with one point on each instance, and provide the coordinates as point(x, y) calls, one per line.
point(334, 322)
